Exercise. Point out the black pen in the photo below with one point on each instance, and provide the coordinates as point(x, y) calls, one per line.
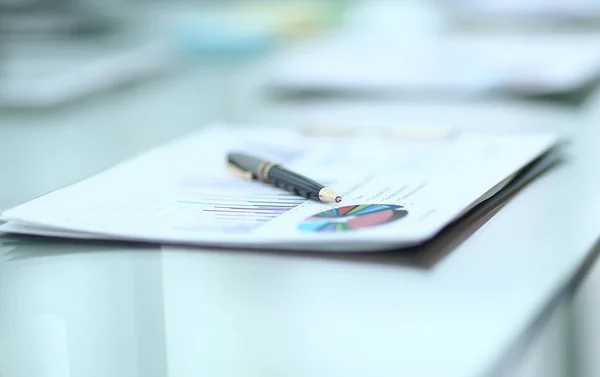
point(254, 168)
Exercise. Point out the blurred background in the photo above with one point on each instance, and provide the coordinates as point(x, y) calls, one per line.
point(57, 51)
point(85, 84)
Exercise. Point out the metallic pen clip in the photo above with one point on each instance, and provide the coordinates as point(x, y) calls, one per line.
point(236, 171)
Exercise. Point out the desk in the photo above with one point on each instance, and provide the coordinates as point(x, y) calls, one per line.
point(88, 309)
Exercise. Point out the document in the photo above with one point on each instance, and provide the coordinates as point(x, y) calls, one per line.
point(395, 191)
point(532, 11)
point(456, 64)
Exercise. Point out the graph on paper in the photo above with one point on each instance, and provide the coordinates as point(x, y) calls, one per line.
point(234, 205)
point(353, 217)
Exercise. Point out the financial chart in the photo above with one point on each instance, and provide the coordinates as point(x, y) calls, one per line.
point(353, 217)
point(233, 205)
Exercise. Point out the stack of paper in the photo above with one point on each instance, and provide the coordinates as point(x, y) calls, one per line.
point(396, 192)
point(70, 71)
point(470, 65)
point(531, 11)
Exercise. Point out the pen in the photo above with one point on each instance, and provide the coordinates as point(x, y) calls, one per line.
point(254, 168)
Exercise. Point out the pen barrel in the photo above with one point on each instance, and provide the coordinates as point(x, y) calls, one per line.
point(295, 183)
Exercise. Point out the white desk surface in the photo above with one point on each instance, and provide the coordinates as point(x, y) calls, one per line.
point(125, 311)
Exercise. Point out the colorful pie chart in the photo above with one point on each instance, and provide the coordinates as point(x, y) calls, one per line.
point(353, 217)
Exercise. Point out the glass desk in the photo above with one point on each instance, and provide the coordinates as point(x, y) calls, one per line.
point(113, 309)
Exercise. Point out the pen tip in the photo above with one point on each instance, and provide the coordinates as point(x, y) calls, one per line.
point(327, 195)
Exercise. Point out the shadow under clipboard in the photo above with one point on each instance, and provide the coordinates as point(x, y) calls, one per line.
point(423, 256)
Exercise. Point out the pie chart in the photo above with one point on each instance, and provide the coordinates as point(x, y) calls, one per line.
point(354, 217)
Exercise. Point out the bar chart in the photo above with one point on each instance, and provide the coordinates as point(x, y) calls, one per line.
point(231, 204)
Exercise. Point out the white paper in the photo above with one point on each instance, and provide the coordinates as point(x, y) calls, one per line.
point(526, 65)
point(183, 193)
point(528, 10)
